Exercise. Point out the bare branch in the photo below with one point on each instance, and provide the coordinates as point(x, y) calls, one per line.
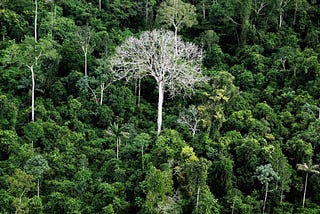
point(190, 118)
point(174, 64)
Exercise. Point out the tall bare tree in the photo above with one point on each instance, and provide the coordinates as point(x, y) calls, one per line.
point(175, 65)
point(190, 118)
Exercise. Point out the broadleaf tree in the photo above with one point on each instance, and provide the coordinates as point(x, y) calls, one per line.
point(85, 35)
point(37, 166)
point(176, 13)
point(174, 65)
point(265, 175)
point(31, 55)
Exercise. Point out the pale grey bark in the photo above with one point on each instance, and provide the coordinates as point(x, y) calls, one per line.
point(305, 190)
point(160, 104)
point(31, 68)
point(265, 198)
point(282, 5)
point(198, 196)
point(36, 21)
point(175, 65)
point(190, 118)
point(203, 11)
point(84, 38)
point(102, 88)
point(258, 6)
point(312, 169)
point(32, 92)
point(85, 51)
point(118, 146)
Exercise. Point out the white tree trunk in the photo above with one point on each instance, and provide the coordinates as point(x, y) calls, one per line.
point(198, 196)
point(265, 198)
point(35, 20)
point(32, 92)
point(280, 20)
point(118, 145)
point(85, 64)
point(160, 104)
point(305, 190)
point(204, 11)
point(102, 87)
point(99, 4)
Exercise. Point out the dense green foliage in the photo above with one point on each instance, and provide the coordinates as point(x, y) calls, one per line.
point(232, 147)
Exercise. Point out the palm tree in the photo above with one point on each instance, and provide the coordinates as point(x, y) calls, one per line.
point(312, 169)
point(117, 132)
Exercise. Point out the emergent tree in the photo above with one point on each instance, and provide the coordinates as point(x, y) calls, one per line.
point(176, 66)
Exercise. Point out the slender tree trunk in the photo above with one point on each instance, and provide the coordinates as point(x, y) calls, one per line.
point(198, 196)
point(20, 198)
point(32, 95)
point(265, 198)
point(32, 92)
point(101, 92)
point(118, 145)
point(142, 157)
point(99, 4)
point(277, 171)
point(204, 11)
point(160, 104)
point(93, 93)
point(18, 208)
point(280, 20)
point(35, 20)
point(233, 204)
point(281, 192)
point(85, 64)
point(305, 190)
point(193, 133)
point(137, 90)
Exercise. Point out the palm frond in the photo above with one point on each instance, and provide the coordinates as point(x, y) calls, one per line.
point(302, 167)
